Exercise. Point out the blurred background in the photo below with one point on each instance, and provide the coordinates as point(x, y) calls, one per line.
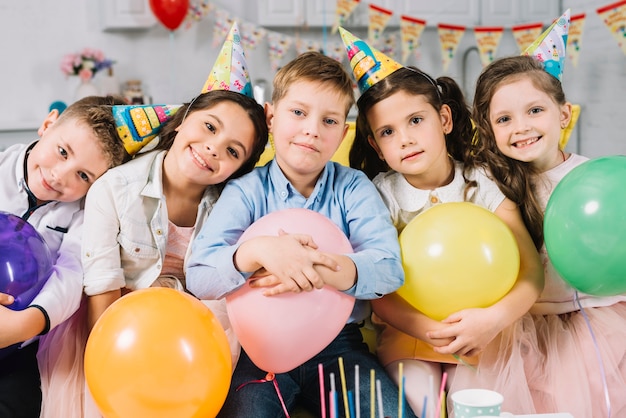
point(153, 64)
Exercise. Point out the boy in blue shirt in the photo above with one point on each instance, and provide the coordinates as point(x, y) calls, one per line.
point(311, 99)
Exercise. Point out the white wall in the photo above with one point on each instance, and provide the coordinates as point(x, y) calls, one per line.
point(35, 34)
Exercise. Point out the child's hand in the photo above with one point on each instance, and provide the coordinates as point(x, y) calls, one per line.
point(291, 260)
point(471, 330)
point(19, 326)
point(6, 299)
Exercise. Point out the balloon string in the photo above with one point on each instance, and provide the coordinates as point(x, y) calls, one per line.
point(463, 362)
point(607, 398)
point(172, 71)
point(270, 377)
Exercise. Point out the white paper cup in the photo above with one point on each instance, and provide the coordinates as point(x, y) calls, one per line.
point(469, 403)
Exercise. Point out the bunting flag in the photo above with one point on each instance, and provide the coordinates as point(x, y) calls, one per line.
point(306, 45)
point(223, 23)
point(378, 19)
point(278, 46)
point(342, 13)
point(335, 50)
point(614, 17)
point(251, 35)
point(449, 39)
point(197, 11)
point(574, 39)
point(488, 39)
point(410, 31)
point(389, 45)
point(526, 34)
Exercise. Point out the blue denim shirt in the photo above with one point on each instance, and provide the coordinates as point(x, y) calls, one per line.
point(344, 195)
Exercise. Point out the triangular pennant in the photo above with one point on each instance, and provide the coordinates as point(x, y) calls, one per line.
point(614, 17)
point(410, 31)
point(488, 39)
point(449, 39)
point(575, 37)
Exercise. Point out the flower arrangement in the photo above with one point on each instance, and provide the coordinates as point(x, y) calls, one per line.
point(85, 64)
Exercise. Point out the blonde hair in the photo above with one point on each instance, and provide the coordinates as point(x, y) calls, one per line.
point(317, 67)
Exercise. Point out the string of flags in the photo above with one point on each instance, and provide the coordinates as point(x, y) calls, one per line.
point(411, 28)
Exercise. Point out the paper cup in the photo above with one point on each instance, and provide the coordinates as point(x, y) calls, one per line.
point(469, 403)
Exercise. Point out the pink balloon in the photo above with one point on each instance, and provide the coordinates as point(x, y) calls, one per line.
point(281, 332)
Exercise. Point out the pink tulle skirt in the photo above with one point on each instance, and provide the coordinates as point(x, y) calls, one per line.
point(549, 364)
point(60, 359)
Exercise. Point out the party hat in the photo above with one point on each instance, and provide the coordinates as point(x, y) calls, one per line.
point(230, 71)
point(369, 65)
point(137, 125)
point(549, 48)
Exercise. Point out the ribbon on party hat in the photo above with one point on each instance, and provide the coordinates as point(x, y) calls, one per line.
point(549, 48)
point(137, 125)
point(230, 71)
point(369, 65)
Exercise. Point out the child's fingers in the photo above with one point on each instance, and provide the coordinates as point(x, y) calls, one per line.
point(305, 240)
point(6, 299)
point(323, 259)
point(264, 281)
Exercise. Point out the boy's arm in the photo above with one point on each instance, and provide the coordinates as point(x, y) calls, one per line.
point(292, 263)
point(210, 270)
point(19, 326)
point(61, 294)
point(375, 268)
point(374, 240)
point(220, 264)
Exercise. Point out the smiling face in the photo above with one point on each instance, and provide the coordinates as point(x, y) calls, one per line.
point(65, 162)
point(210, 145)
point(308, 124)
point(527, 123)
point(409, 134)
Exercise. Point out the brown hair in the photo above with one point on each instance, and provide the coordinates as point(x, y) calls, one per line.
point(438, 92)
point(96, 113)
point(210, 99)
point(513, 177)
point(317, 67)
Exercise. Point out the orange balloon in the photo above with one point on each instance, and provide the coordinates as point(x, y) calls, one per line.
point(158, 352)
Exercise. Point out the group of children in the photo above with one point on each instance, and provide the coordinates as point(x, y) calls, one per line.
point(173, 217)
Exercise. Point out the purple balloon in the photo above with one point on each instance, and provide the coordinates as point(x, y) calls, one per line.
point(25, 260)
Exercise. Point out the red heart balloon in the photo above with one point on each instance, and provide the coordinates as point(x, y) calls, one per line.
point(170, 12)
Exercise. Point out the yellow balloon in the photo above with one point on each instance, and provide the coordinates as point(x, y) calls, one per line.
point(457, 256)
point(158, 353)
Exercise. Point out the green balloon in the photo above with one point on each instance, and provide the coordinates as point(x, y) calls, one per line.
point(585, 227)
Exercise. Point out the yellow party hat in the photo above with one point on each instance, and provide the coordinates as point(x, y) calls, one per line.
point(549, 48)
point(230, 71)
point(137, 125)
point(369, 65)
